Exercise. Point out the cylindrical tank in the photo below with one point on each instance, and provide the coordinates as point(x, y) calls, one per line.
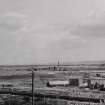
point(57, 83)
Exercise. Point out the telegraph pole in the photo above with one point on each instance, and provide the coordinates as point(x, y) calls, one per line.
point(32, 86)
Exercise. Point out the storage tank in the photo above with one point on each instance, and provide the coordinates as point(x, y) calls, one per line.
point(57, 83)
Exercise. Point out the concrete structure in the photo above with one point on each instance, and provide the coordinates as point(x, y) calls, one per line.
point(77, 80)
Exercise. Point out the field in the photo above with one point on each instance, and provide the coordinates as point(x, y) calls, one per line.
point(20, 77)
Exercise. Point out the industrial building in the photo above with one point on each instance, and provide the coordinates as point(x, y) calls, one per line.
point(72, 81)
point(93, 80)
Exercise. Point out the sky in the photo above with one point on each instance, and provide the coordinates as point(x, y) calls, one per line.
point(45, 31)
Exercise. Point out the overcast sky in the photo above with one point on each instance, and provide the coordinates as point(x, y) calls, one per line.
point(43, 31)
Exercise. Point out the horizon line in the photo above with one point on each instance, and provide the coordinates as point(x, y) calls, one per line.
point(56, 63)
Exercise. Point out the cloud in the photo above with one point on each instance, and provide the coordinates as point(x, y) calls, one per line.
point(22, 40)
point(12, 21)
point(92, 27)
point(51, 33)
point(15, 14)
point(66, 44)
point(28, 41)
point(90, 31)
